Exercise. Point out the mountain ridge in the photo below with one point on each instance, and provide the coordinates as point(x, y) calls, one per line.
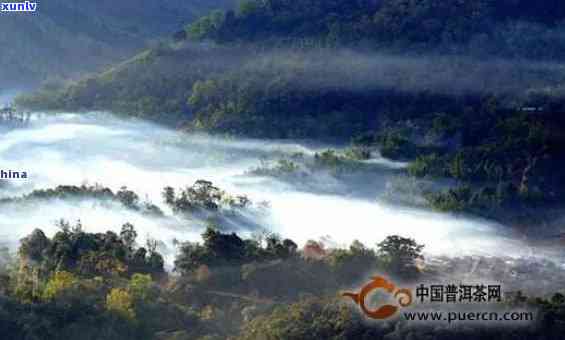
point(64, 39)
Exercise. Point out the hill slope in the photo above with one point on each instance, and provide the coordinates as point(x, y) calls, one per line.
point(476, 98)
point(65, 37)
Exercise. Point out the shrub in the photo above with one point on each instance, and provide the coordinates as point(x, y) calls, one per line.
point(60, 283)
point(120, 302)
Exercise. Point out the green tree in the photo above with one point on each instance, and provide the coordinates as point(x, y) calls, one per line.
point(120, 301)
point(60, 283)
point(141, 287)
point(128, 198)
point(310, 319)
point(399, 254)
point(128, 235)
point(457, 168)
point(169, 195)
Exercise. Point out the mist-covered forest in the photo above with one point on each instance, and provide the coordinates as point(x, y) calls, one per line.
point(224, 171)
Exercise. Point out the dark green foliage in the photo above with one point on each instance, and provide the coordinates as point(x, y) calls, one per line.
point(350, 263)
point(202, 197)
point(230, 288)
point(35, 246)
point(154, 84)
point(61, 284)
point(503, 163)
point(157, 82)
point(273, 97)
point(81, 320)
point(453, 200)
point(330, 319)
point(501, 202)
point(128, 236)
point(282, 167)
point(299, 168)
point(419, 21)
point(395, 146)
point(328, 21)
point(127, 198)
point(311, 319)
point(399, 255)
point(495, 154)
point(70, 192)
point(345, 22)
point(426, 165)
point(333, 161)
point(422, 24)
point(258, 268)
point(89, 255)
point(220, 250)
point(485, 138)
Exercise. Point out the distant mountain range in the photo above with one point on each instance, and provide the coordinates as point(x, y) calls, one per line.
point(64, 38)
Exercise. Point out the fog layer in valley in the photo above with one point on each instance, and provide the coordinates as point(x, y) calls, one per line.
point(72, 149)
point(6, 97)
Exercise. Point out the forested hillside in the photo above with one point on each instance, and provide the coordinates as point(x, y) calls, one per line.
point(106, 286)
point(292, 38)
point(63, 38)
point(417, 25)
point(471, 91)
point(466, 96)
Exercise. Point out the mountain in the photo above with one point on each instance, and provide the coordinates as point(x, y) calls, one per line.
point(343, 49)
point(471, 91)
point(64, 38)
point(407, 23)
point(467, 95)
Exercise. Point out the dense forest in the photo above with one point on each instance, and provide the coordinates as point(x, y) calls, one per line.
point(107, 286)
point(400, 77)
point(469, 93)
